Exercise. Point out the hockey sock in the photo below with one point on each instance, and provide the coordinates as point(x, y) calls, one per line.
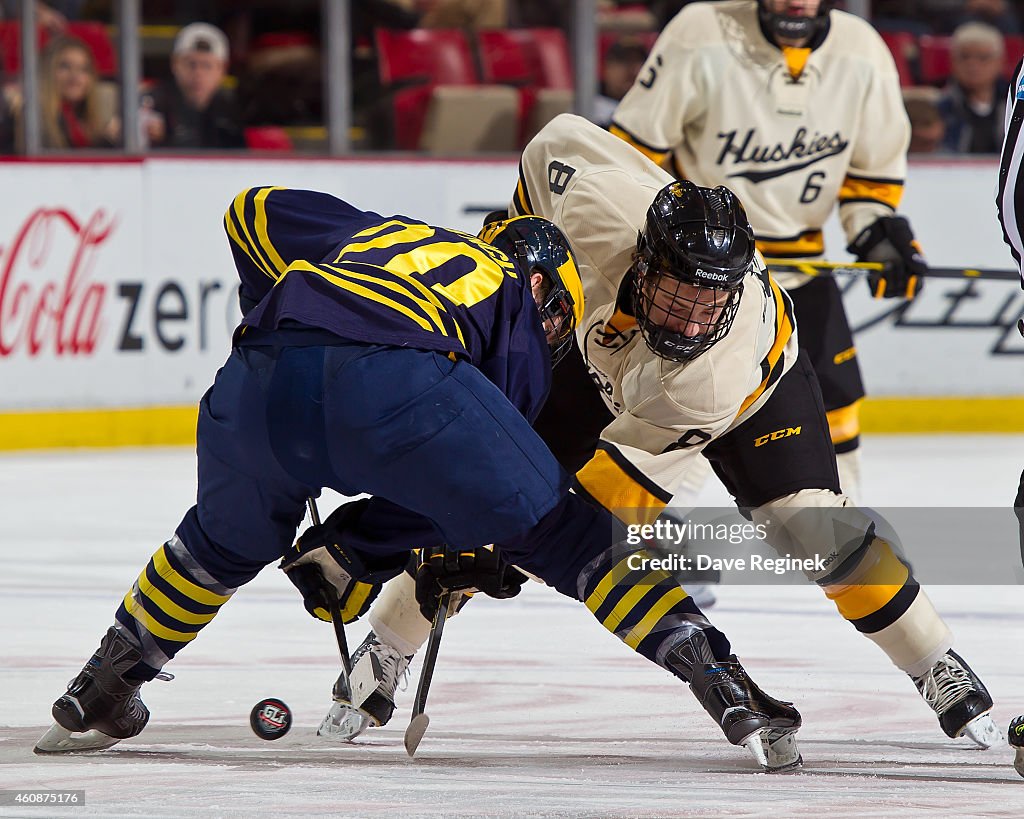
point(848, 464)
point(844, 426)
point(396, 619)
point(647, 609)
point(173, 598)
point(883, 601)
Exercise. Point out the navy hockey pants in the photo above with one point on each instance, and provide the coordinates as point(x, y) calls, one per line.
point(413, 427)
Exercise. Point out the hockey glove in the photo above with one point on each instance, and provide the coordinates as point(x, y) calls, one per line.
point(890, 241)
point(484, 569)
point(319, 563)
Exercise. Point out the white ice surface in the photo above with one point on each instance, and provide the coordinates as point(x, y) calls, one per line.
point(535, 709)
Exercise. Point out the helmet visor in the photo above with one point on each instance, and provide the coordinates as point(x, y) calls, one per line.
point(555, 306)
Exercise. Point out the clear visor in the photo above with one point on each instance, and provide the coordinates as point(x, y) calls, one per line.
point(556, 315)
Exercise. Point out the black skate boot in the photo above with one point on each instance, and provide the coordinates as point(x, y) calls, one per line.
point(1015, 736)
point(377, 669)
point(765, 726)
point(954, 692)
point(100, 706)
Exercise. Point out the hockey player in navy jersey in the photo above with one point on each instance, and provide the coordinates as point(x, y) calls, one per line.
point(385, 356)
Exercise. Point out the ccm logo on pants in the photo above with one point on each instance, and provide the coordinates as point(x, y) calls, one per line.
point(775, 436)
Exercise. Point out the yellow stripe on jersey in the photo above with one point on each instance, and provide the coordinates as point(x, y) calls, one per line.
point(183, 584)
point(521, 200)
point(367, 293)
point(248, 244)
point(808, 243)
point(427, 301)
point(656, 155)
point(650, 620)
point(774, 359)
point(884, 191)
point(135, 609)
point(261, 230)
point(876, 587)
point(232, 230)
point(844, 422)
point(620, 487)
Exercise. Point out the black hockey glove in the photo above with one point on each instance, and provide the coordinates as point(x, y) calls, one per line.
point(318, 564)
point(890, 241)
point(441, 568)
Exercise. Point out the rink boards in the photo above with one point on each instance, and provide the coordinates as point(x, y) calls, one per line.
point(117, 291)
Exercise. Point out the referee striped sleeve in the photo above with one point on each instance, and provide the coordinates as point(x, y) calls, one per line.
point(1010, 196)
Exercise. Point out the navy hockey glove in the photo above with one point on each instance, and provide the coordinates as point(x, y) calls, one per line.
point(484, 569)
point(890, 241)
point(318, 563)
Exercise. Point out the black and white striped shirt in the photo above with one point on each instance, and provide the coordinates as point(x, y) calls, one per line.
point(1010, 199)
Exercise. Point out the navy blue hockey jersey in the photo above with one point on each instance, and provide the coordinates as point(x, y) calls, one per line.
point(308, 257)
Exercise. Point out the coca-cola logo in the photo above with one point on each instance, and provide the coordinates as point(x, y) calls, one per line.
point(54, 300)
point(47, 300)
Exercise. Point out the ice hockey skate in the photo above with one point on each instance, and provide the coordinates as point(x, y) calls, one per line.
point(1015, 736)
point(959, 698)
point(377, 669)
point(763, 725)
point(100, 707)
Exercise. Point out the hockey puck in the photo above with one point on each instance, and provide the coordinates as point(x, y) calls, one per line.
point(270, 719)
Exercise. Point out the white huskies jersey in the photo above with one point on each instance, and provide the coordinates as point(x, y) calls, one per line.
point(790, 131)
point(597, 189)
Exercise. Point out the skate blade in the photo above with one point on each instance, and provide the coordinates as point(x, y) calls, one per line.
point(774, 751)
point(783, 752)
point(414, 733)
point(343, 723)
point(59, 740)
point(1018, 762)
point(982, 731)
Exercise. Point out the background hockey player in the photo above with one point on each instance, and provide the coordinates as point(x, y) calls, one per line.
point(693, 347)
point(386, 356)
point(794, 107)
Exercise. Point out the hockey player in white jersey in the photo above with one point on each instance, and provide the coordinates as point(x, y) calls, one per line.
point(795, 107)
point(696, 359)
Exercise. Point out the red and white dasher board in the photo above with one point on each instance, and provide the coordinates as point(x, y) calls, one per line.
point(117, 287)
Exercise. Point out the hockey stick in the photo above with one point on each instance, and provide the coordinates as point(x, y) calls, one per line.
point(342, 690)
point(820, 268)
point(419, 722)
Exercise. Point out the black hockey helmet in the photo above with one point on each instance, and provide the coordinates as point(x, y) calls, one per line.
point(688, 269)
point(537, 246)
point(793, 26)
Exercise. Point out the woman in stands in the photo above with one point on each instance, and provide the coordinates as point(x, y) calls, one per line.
point(75, 111)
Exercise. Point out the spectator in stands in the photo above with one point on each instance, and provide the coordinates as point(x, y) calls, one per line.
point(927, 128)
point(194, 110)
point(973, 103)
point(622, 62)
point(76, 110)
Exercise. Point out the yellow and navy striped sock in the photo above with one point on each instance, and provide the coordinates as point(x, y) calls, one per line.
point(171, 601)
point(647, 609)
